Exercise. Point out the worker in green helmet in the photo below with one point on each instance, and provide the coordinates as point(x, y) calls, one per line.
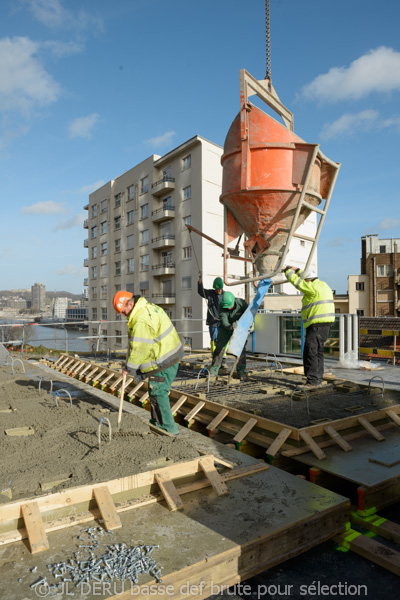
point(213, 297)
point(230, 312)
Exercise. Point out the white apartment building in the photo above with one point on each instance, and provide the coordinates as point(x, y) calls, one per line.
point(138, 241)
point(60, 307)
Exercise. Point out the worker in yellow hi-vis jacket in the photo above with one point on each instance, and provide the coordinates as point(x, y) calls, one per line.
point(154, 352)
point(318, 313)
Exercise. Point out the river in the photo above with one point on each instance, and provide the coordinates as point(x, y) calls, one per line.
point(55, 338)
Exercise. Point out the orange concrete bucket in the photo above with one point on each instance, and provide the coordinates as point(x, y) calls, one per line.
point(272, 180)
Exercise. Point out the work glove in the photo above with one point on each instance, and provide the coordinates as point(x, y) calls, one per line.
point(234, 325)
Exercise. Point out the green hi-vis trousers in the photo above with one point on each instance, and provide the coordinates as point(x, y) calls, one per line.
point(159, 386)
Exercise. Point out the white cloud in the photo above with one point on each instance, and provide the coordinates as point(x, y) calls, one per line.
point(24, 84)
point(349, 123)
point(388, 223)
point(88, 189)
point(69, 270)
point(49, 207)
point(82, 127)
point(161, 140)
point(53, 14)
point(62, 48)
point(377, 71)
point(75, 221)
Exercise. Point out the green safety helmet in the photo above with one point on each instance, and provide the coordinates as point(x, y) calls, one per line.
point(228, 300)
point(218, 283)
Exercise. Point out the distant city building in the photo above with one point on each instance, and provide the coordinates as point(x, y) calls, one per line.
point(38, 292)
point(19, 303)
point(60, 307)
point(76, 313)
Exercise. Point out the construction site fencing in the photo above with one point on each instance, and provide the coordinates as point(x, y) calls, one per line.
point(380, 338)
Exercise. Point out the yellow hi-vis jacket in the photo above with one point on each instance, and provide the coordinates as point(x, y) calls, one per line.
point(317, 304)
point(154, 344)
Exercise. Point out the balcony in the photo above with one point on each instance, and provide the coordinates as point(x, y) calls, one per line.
point(85, 262)
point(165, 241)
point(164, 298)
point(166, 184)
point(86, 243)
point(163, 269)
point(86, 207)
point(86, 281)
point(163, 214)
point(86, 223)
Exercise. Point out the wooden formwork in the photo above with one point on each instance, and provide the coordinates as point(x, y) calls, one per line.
point(277, 438)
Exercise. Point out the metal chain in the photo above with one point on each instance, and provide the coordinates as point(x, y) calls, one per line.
point(268, 42)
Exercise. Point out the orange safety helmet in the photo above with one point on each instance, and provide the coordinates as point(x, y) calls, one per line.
point(120, 299)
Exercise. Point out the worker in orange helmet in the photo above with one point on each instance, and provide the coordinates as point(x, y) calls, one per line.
point(154, 353)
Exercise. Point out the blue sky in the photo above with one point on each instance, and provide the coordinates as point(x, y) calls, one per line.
point(90, 88)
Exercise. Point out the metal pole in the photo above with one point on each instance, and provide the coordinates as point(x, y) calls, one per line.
point(341, 337)
point(349, 334)
point(355, 335)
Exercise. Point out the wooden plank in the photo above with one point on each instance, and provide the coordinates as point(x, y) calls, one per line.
point(312, 445)
point(34, 526)
point(386, 529)
point(84, 517)
point(218, 419)
point(117, 382)
point(393, 416)
point(135, 389)
point(194, 411)
point(178, 404)
point(169, 491)
point(99, 375)
point(207, 465)
point(110, 376)
point(278, 441)
point(68, 497)
point(247, 427)
point(84, 370)
point(370, 549)
point(107, 508)
point(371, 429)
point(338, 438)
point(90, 375)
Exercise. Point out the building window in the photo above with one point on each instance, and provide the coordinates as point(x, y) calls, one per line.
point(93, 295)
point(144, 211)
point(144, 237)
point(385, 271)
point(118, 268)
point(118, 198)
point(360, 286)
point(94, 315)
point(187, 312)
point(118, 245)
point(382, 249)
point(130, 217)
point(103, 271)
point(103, 206)
point(103, 292)
point(118, 339)
point(94, 272)
point(167, 173)
point(131, 192)
point(129, 242)
point(144, 262)
point(186, 283)
point(94, 232)
point(187, 221)
point(168, 312)
point(166, 258)
point(302, 243)
point(103, 227)
point(187, 162)
point(130, 265)
point(144, 290)
point(104, 316)
point(187, 192)
point(104, 249)
point(94, 251)
point(117, 288)
point(167, 203)
point(94, 210)
point(187, 252)
point(360, 312)
point(117, 222)
point(144, 185)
